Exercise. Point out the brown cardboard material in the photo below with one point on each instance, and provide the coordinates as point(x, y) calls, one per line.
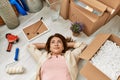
point(92, 48)
point(91, 21)
point(107, 8)
point(35, 30)
point(64, 11)
point(115, 12)
point(118, 78)
point(89, 70)
point(113, 6)
point(118, 13)
point(111, 3)
point(95, 4)
point(1, 21)
point(92, 73)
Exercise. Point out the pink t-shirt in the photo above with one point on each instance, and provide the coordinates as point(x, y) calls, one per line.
point(55, 68)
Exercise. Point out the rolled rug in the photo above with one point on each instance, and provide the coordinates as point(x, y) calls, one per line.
point(38, 5)
point(8, 14)
point(1, 20)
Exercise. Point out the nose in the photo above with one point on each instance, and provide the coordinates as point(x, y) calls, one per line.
point(56, 44)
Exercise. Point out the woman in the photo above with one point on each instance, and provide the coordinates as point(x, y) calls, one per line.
point(57, 62)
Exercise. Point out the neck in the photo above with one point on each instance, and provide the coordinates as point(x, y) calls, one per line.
point(56, 54)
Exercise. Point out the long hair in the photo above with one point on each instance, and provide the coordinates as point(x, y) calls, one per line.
point(64, 41)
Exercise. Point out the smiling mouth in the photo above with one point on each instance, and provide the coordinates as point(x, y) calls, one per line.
point(56, 48)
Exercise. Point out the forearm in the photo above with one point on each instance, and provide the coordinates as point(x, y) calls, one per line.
point(74, 44)
point(33, 49)
point(40, 45)
point(70, 44)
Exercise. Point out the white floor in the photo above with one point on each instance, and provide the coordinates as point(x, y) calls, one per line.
point(60, 26)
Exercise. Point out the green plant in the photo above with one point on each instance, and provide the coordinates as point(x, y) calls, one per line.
point(77, 27)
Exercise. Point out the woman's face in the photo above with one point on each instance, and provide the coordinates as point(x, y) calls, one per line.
point(56, 45)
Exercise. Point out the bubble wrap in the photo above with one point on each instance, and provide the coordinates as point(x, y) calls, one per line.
point(107, 59)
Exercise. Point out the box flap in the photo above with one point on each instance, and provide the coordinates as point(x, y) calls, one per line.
point(77, 10)
point(93, 47)
point(115, 39)
point(118, 78)
point(95, 5)
point(111, 3)
point(92, 73)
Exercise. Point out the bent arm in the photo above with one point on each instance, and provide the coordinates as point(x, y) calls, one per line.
point(79, 47)
point(40, 45)
point(70, 44)
point(74, 44)
point(33, 50)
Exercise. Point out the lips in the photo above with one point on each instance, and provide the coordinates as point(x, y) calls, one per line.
point(56, 48)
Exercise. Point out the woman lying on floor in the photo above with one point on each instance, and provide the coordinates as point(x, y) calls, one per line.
point(60, 59)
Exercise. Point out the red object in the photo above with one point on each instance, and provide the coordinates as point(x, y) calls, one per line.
point(11, 39)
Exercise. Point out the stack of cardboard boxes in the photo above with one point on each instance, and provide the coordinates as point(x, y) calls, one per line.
point(92, 13)
point(91, 21)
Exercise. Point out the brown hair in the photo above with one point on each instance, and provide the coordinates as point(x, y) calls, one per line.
point(59, 36)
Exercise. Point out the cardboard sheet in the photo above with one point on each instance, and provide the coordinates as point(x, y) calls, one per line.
point(35, 30)
point(92, 73)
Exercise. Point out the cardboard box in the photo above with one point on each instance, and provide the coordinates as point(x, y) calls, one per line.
point(64, 10)
point(89, 70)
point(94, 4)
point(91, 21)
point(118, 13)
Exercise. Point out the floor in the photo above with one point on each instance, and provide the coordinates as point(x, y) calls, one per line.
point(60, 26)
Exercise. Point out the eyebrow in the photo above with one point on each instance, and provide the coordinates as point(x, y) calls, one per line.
point(57, 40)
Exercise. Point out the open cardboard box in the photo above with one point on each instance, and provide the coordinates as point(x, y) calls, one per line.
point(89, 70)
point(91, 21)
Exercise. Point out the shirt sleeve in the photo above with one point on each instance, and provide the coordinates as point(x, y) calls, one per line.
point(78, 48)
point(34, 52)
point(77, 44)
